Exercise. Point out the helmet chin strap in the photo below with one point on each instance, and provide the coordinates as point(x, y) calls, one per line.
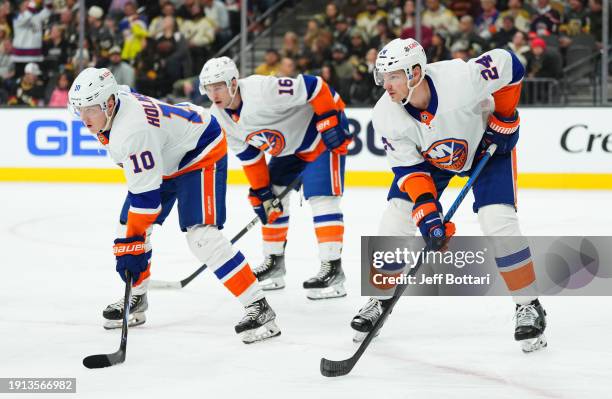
point(109, 119)
point(234, 94)
point(411, 90)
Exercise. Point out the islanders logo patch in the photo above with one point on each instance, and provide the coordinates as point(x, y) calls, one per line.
point(270, 141)
point(449, 154)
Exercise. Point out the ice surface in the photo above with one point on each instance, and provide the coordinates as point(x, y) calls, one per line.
point(57, 274)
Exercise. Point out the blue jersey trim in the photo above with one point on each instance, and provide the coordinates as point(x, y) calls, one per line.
point(210, 134)
point(432, 108)
point(518, 70)
point(230, 265)
point(147, 200)
point(237, 111)
point(249, 153)
point(311, 85)
point(332, 217)
point(513, 259)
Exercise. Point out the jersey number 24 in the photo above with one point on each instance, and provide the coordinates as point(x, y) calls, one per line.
point(490, 71)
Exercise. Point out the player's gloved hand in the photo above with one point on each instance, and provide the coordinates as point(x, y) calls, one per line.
point(427, 215)
point(265, 204)
point(130, 255)
point(503, 131)
point(335, 137)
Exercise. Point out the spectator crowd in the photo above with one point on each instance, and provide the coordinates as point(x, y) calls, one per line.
point(150, 45)
point(341, 43)
point(158, 47)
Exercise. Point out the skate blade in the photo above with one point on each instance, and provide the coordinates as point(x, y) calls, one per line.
point(534, 344)
point(360, 336)
point(268, 330)
point(134, 320)
point(335, 291)
point(272, 283)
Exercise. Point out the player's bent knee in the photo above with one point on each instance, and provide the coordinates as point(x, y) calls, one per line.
point(207, 243)
point(397, 220)
point(498, 220)
point(324, 205)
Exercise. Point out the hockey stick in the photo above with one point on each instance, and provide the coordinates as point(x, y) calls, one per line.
point(180, 284)
point(336, 368)
point(100, 361)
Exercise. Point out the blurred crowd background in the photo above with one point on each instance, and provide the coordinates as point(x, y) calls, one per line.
point(159, 47)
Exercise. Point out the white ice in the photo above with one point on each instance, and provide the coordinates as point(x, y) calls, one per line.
point(57, 275)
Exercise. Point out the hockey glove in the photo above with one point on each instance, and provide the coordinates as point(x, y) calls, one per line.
point(334, 135)
point(265, 204)
point(503, 131)
point(130, 255)
point(427, 215)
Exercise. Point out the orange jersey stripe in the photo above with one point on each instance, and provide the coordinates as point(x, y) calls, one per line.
point(274, 234)
point(323, 102)
point(418, 184)
point(240, 281)
point(519, 278)
point(208, 194)
point(340, 105)
point(257, 174)
point(329, 233)
point(506, 99)
point(335, 174)
point(138, 223)
point(144, 275)
point(314, 154)
point(215, 154)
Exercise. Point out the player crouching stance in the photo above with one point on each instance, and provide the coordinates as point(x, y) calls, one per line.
point(301, 124)
point(436, 120)
point(168, 153)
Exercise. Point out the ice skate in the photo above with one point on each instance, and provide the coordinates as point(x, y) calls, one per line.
point(530, 326)
point(328, 283)
point(114, 312)
point(271, 272)
point(258, 323)
point(367, 316)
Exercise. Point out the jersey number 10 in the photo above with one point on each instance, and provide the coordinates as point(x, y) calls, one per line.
point(146, 159)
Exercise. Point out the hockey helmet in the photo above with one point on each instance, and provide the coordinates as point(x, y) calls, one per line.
point(93, 86)
point(401, 54)
point(221, 69)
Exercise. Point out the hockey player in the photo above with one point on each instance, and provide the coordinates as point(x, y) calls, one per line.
point(300, 123)
point(436, 120)
point(168, 153)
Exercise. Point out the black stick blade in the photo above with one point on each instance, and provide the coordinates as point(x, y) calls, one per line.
point(195, 274)
point(101, 361)
point(334, 368)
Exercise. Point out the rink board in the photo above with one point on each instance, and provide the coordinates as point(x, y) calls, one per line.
point(559, 148)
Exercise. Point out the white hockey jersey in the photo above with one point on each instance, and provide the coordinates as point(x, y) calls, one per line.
point(152, 141)
point(448, 133)
point(275, 117)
